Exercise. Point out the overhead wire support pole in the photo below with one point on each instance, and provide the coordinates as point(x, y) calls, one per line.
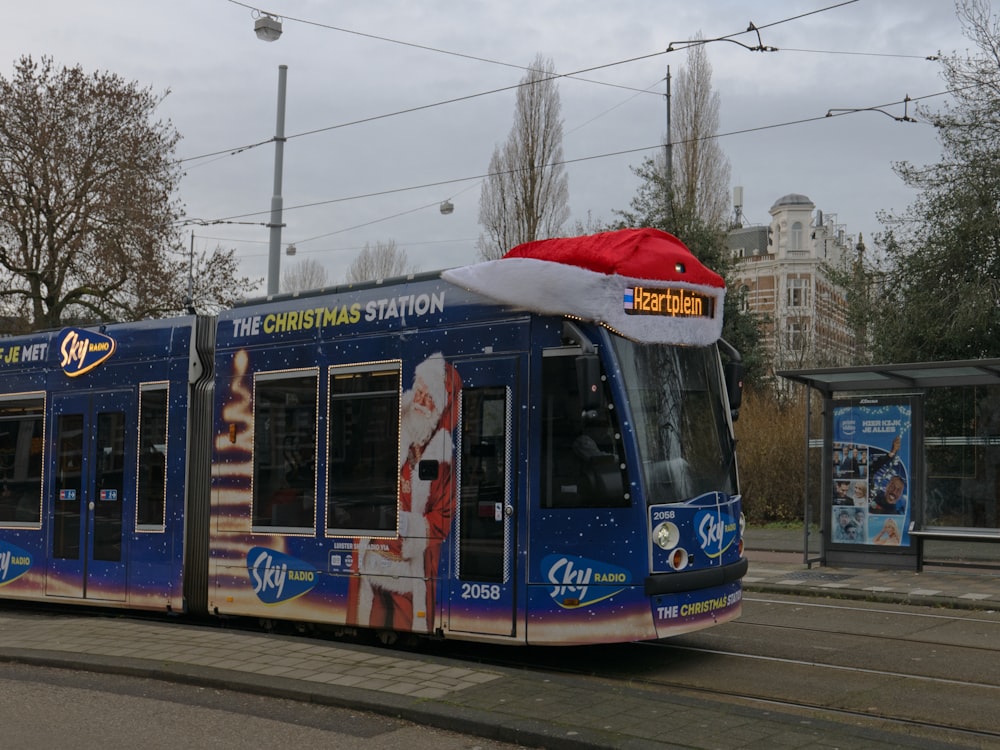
point(668, 158)
point(275, 225)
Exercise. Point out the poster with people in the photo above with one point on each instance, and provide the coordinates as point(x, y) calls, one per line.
point(872, 477)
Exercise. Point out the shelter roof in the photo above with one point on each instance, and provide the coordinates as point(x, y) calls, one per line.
point(897, 377)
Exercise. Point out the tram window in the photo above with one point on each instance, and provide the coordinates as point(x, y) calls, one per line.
point(484, 484)
point(151, 480)
point(109, 474)
point(284, 450)
point(582, 458)
point(68, 487)
point(363, 461)
point(680, 419)
point(21, 461)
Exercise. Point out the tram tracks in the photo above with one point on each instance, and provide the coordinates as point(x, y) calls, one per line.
point(941, 731)
point(909, 671)
point(708, 674)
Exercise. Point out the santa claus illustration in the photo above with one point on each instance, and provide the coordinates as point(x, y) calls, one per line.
point(398, 576)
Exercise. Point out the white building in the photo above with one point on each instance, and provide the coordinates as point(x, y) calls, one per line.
point(780, 277)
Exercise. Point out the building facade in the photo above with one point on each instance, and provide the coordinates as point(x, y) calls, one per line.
point(781, 277)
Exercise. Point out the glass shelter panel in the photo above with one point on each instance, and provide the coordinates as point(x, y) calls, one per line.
point(962, 454)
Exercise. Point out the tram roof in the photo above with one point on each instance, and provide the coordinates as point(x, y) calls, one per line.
point(898, 377)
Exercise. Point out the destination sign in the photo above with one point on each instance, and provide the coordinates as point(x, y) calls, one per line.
point(670, 302)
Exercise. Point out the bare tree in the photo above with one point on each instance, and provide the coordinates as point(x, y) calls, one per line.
point(525, 196)
point(691, 200)
point(304, 275)
point(701, 171)
point(381, 261)
point(213, 281)
point(88, 217)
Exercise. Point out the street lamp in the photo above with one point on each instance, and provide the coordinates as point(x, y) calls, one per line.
point(267, 28)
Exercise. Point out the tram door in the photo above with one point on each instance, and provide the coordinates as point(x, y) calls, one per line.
point(482, 596)
point(90, 446)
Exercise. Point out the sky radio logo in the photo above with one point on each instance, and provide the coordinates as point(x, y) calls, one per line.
point(716, 531)
point(572, 579)
point(14, 563)
point(277, 577)
point(80, 350)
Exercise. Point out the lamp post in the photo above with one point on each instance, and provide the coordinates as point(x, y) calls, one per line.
point(267, 27)
point(274, 250)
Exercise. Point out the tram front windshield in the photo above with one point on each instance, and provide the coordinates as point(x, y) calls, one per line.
point(679, 410)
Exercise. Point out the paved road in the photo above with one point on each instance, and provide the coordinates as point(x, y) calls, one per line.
point(41, 707)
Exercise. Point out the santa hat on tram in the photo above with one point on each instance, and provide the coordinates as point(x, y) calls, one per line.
point(642, 283)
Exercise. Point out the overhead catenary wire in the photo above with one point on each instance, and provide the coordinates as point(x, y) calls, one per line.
point(575, 74)
point(752, 28)
point(609, 154)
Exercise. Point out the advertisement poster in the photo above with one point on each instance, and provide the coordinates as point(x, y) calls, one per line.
point(872, 478)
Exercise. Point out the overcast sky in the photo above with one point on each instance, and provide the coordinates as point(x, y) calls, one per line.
point(355, 67)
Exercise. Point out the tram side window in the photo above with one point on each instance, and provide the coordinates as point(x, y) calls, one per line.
point(21, 461)
point(284, 450)
point(582, 458)
point(109, 477)
point(363, 462)
point(484, 484)
point(151, 482)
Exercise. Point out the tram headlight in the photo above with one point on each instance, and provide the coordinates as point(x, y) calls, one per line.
point(666, 535)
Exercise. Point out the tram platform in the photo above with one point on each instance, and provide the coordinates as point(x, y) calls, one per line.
point(959, 575)
point(506, 704)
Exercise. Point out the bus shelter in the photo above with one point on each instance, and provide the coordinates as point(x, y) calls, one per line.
point(910, 468)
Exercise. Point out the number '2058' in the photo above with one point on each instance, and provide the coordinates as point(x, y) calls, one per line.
point(490, 591)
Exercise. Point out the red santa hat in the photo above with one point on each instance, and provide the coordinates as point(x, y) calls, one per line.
point(642, 283)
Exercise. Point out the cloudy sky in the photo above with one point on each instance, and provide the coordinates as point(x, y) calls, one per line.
point(394, 106)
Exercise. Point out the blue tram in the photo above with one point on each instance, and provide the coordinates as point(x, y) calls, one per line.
point(464, 455)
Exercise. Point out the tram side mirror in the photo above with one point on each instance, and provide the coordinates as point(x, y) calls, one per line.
point(734, 386)
point(588, 382)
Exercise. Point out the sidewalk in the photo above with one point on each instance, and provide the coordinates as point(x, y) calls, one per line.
point(777, 564)
point(537, 710)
